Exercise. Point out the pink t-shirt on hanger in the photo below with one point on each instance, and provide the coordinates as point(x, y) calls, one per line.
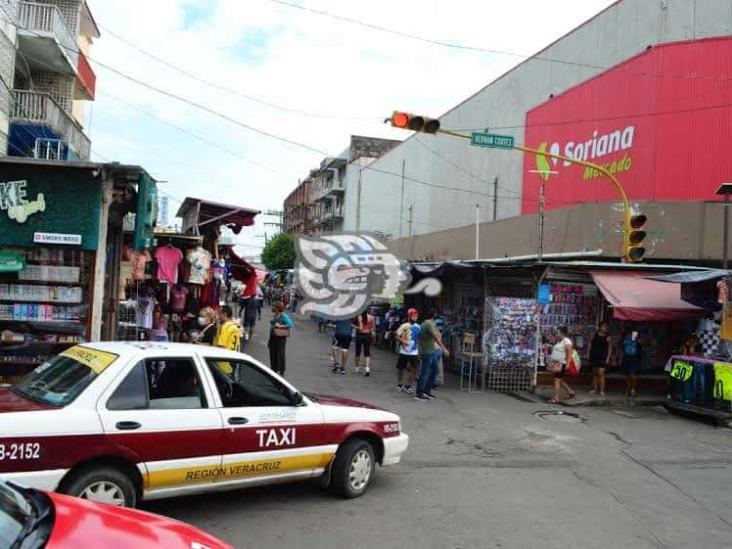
point(168, 258)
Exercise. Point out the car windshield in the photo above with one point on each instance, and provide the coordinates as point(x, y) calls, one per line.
point(62, 378)
point(15, 513)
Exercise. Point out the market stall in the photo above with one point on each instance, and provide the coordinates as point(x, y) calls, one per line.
point(50, 216)
point(164, 286)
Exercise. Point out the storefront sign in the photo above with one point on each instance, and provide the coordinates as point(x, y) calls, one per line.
point(57, 238)
point(663, 138)
point(11, 262)
point(14, 201)
point(37, 200)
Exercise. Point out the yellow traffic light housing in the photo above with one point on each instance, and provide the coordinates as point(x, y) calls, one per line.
point(633, 237)
point(414, 122)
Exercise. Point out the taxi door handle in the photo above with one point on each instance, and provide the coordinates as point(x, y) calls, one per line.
point(238, 421)
point(127, 425)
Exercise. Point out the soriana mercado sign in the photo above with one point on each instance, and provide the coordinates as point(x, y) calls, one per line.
point(660, 122)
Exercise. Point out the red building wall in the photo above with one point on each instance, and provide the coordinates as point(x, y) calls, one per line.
point(666, 118)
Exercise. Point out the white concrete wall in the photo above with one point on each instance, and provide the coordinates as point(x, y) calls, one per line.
point(623, 30)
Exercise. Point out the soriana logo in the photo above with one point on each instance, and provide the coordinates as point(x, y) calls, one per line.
point(596, 150)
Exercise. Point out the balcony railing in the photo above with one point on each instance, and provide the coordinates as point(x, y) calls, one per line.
point(46, 19)
point(40, 108)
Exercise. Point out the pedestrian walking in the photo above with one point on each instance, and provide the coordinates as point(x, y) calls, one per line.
point(430, 341)
point(250, 318)
point(558, 361)
point(631, 350)
point(407, 336)
point(280, 329)
point(260, 301)
point(365, 335)
point(599, 353)
point(229, 335)
point(341, 343)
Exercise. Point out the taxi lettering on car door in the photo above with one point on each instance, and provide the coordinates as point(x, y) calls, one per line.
point(266, 431)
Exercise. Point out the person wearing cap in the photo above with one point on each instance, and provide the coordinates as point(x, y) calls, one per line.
point(408, 360)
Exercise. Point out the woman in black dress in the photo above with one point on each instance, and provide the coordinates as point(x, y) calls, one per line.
point(599, 358)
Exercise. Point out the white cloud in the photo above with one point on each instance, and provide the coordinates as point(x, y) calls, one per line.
point(300, 60)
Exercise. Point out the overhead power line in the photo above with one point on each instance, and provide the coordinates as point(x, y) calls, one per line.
point(496, 51)
point(230, 90)
point(196, 136)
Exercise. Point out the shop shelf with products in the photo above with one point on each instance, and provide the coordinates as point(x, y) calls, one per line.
point(43, 307)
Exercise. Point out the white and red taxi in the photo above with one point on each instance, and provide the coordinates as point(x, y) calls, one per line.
point(123, 421)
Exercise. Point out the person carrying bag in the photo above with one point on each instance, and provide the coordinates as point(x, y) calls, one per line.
point(280, 330)
point(559, 361)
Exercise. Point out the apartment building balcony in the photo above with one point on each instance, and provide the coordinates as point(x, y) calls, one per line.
point(44, 39)
point(40, 128)
point(330, 190)
point(329, 215)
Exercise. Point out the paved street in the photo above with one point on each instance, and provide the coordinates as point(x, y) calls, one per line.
point(492, 471)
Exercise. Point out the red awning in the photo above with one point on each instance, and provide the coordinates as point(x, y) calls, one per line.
point(635, 297)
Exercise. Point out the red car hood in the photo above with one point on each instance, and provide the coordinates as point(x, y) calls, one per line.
point(82, 524)
point(13, 402)
point(328, 400)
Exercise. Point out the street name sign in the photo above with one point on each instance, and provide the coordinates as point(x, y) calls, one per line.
point(491, 140)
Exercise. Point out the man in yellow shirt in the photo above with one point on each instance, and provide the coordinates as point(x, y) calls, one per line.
point(229, 334)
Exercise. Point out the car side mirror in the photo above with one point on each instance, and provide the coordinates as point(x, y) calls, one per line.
point(296, 398)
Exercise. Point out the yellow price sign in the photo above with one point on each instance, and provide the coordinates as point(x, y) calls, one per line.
point(682, 370)
point(94, 359)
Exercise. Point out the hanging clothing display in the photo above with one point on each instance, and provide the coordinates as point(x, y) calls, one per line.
point(138, 261)
point(145, 307)
point(200, 261)
point(178, 297)
point(169, 259)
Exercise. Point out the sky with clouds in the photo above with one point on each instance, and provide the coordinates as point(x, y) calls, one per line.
point(286, 71)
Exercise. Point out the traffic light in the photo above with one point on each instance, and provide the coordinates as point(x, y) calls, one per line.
point(634, 235)
point(414, 122)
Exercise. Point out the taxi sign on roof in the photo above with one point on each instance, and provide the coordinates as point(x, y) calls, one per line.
point(94, 359)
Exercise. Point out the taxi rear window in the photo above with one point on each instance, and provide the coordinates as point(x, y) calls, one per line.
point(61, 379)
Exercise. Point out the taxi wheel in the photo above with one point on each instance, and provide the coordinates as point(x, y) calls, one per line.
point(353, 468)
point(103, 485)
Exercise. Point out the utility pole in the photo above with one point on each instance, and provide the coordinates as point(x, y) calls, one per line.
point(358, 200)
point(411, 240)
point(409, 221)
point(401, 203)
point(495, 198)
point(279, 224)
point(477, 231)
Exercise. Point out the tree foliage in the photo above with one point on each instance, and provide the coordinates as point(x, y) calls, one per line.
point(279, 253)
